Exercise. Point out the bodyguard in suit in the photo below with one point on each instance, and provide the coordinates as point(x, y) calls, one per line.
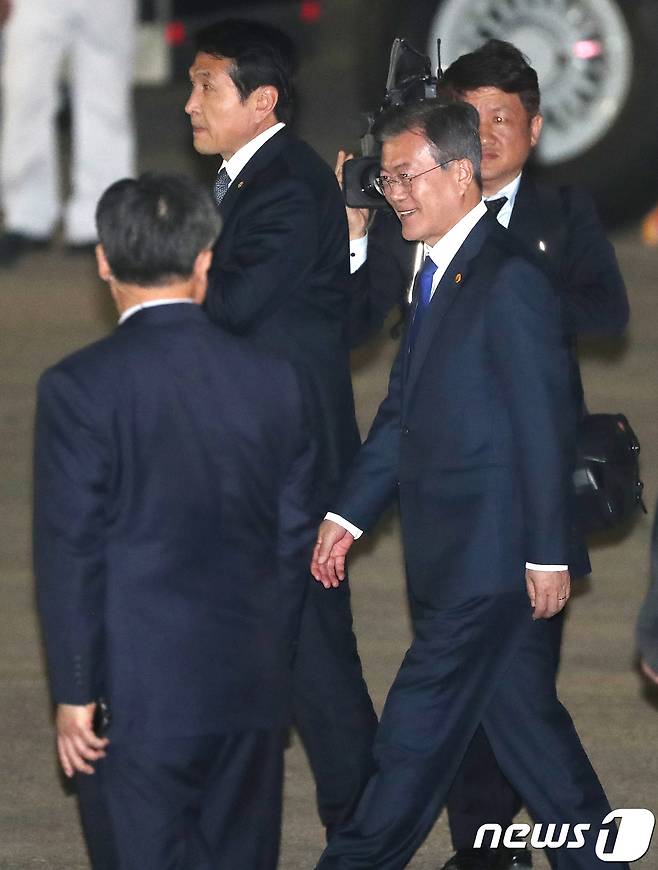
point(561, 230)
point(280, 279)
point(173, 524)
point(476, 437)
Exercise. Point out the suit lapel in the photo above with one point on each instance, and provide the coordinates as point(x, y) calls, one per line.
point(526, 219)
point(265, 154)
point(449, 287)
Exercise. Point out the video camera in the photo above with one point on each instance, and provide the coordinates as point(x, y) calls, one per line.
point(409, 79)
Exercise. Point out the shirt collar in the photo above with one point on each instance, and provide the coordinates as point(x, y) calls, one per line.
point(447, 246)
point(243, 155)
point(151, 304)
point(509, 192)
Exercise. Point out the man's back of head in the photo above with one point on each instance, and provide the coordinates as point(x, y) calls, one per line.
point(153, 228)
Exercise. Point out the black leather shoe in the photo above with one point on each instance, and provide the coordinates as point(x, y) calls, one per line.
point(514, 859)
point(472, 859)
point(14, 245)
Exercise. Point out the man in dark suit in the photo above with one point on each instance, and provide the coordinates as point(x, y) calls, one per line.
point(173, 524)
point(560, 228)
point(280, 279)
point(476, 437)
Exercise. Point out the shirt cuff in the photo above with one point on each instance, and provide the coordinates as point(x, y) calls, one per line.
point(535, 567)
point(355, 531)
point(358, 253)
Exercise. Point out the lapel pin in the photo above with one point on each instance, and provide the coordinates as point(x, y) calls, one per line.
point(241, 184)
point(542, 246)
point(458, 278)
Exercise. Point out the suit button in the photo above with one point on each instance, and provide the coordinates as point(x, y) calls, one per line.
point(405, 430)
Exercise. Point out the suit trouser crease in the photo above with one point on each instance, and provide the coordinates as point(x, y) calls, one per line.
point(499, 672)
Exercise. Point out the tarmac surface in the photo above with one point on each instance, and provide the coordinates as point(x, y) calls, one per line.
point(52, 303)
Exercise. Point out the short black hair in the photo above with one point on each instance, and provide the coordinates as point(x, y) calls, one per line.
point(153, 227)
point(496, 64)
point(450, 127)
point(261, 55)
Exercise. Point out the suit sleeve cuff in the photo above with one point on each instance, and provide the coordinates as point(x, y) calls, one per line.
point(535, 567)
point(358, 253)
point(355, 531)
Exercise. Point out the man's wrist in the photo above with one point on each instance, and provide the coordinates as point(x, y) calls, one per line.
point(355, 531)
point(533, 566)
point(358, 252)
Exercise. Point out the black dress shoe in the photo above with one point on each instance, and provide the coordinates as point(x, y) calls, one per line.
point(14, 245)
point(472, 859)
point(514, 859)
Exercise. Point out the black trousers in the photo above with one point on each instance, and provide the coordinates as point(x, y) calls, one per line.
point(95, 819)
point(332, 710)
point(480, 792)
point(201, 803)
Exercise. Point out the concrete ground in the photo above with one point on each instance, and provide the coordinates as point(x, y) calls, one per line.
point(52, 303)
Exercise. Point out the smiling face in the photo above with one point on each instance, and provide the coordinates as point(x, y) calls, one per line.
point(221, 121)
point(436, 200)
point(507, 135)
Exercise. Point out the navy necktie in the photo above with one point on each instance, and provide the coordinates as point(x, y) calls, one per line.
point(495, 205)
point(424, 293)
point(222, 183)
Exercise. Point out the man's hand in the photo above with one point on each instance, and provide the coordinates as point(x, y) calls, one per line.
point(548, 591)
point(77, 744)
point(357, 218)
point(648, 672)
point(328, 562)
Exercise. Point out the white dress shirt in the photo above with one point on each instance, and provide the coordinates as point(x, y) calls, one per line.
point(151, 304)
point(442, 253)
point(243, 155)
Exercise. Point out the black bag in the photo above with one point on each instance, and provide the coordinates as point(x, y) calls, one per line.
point(607, 476)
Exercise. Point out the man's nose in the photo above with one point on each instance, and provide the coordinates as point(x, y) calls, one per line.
point(486, 133)
point(190, 105)
point(397, 193)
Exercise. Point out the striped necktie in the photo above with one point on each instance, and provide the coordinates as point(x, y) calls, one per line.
point(222, 183)
point(424, 292)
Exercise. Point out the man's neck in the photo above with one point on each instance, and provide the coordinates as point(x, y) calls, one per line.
point(130, 295)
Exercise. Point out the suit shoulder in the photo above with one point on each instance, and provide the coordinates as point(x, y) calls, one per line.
point(516, 263)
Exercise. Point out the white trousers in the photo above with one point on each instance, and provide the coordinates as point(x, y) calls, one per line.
point(97, 37)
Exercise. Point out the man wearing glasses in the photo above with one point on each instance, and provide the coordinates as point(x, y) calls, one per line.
point(476, 438)
point(562, 229)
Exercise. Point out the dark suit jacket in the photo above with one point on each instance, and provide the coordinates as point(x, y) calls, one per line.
point(476, 432)
point(577, 255)
point(574, 252)
point(280, 277)
point(172, 526)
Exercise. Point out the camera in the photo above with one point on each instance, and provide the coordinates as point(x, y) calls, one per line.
point(409, 79)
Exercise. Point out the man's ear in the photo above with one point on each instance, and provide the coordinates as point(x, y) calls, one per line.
point(265, 99)
point(200, 275)
point(536, 124)
point(104, 271)
point(464, 173)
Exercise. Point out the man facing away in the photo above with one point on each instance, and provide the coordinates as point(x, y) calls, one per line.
point(280, 279)
point(173, 473)
point(561, 228)
point(476, 437)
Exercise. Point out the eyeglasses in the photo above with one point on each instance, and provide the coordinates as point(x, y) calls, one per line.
point(385, 184)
